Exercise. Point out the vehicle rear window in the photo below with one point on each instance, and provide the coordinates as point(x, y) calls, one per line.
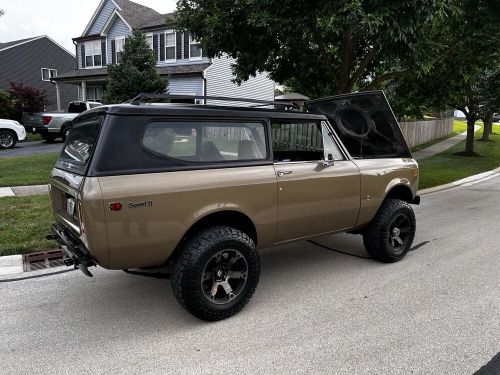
point(78, 148)
point(206, 141)
point(77, 107)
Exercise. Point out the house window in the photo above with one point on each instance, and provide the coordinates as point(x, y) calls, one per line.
point(119, 43)
point(47, 74)
point(94, 93)
point(170, 45)
point(93, 55)
point(195, 52)
point(149, 40)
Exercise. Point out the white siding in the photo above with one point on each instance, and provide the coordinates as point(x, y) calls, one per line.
point(119, 28)
point(101, 18)
point(219, 76)
point(185, 86)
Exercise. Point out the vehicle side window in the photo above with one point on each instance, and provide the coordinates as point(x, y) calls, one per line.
point(297, 141)
point(331, 147)
point(206, 141)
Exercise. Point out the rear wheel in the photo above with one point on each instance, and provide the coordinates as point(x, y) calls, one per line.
point(217, 273)
point(390, 234)
point(65, 133)
point(7, 139)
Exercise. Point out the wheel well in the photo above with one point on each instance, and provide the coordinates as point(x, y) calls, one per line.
point(401, 192)
point(64, 126)
point(233, 219)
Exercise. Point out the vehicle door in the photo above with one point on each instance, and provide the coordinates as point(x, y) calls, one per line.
point(318, 186)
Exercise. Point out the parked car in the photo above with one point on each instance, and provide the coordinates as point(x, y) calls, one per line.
point(11, 132)
point(203, 187)
point(52, 125)
point(496, 117)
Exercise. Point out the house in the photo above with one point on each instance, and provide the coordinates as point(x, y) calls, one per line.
point(34, 62)
point(178, 56)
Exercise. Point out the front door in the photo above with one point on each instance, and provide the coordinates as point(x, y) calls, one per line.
point(315, 195)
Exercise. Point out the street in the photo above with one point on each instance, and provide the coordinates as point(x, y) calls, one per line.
point(315, 310)
point(32, 148)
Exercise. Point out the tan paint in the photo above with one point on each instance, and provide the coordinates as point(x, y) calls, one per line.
point(378, 177)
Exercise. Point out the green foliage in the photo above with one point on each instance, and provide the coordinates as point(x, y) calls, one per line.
point(25, 99)
point(317, 47)
point(5, 105)
point(135, 74)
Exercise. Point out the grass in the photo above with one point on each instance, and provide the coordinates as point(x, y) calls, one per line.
point(26, 170)
point(24, 222)
point(33, 137)
point(446, 167)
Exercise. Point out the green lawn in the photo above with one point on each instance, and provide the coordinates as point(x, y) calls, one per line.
point(24, 222)
point(26, 170)
point(447, 167)
point(458, 127)
point(33, 137)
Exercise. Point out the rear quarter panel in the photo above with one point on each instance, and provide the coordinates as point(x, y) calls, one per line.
point(378, 177)
point(147, 235)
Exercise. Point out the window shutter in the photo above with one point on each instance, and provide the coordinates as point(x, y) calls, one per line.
point(155, 46)
point(113, 52)
point(178, 45)
point(104, 61)
point(162, 47)
point(186, 46)
point(82, 49)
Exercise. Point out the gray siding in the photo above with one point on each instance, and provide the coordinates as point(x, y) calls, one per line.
point(185, 85)
point(119, 28)
point(101, 18)
point(219, 76)
point(24, 63)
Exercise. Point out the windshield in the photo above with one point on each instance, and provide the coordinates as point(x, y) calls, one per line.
point(80, 143)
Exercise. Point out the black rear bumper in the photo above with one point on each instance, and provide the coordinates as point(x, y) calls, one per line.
point(416, 200)
point(76, 253)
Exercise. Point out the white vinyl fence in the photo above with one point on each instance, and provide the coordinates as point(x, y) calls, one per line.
point(418, 132)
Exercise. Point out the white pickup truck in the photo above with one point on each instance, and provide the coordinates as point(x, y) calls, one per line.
point(51, 125)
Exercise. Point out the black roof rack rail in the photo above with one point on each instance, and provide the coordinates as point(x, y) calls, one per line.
point(258, 103)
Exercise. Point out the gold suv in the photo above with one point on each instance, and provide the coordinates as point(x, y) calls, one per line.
point(203, 187)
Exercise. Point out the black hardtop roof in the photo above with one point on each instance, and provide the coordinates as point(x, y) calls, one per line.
point(195, 110)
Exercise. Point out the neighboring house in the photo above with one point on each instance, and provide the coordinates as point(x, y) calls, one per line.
point(33, 62)
point(178, 56)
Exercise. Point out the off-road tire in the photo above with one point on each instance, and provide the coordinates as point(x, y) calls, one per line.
point(8, 139)
point(190, 264)
point(377, 236)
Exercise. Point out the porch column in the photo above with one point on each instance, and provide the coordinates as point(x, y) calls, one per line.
point(58, 96)
point(84, 90)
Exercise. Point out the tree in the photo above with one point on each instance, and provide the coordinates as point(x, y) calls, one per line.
point(1, 12)
point(488, 87)
point(317, 47)
point(26, 99)
point(135, 74)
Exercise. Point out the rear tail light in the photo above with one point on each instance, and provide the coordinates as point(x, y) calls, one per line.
point(46, 120)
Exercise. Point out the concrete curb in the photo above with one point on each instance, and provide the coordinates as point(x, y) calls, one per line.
point(468, 181)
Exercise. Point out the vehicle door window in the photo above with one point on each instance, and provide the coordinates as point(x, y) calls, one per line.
point(330, 146)
point(297, 141)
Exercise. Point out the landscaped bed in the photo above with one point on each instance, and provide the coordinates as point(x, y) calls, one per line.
point(24, 222)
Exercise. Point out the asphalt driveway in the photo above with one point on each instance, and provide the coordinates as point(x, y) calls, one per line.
point(32, 148)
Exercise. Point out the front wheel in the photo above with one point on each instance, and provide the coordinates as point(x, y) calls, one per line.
point(7, 139)
point(217, 273)
point(390, 234)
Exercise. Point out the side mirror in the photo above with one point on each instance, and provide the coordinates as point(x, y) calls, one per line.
point(328, 162)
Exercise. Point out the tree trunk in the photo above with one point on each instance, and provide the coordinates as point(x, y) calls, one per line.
point(487, 126)
point(469, 142)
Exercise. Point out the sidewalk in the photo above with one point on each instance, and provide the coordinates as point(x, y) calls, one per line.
point(442, 146)
point(23, 191)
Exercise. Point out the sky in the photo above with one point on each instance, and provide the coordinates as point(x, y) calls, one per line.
point(61, 20)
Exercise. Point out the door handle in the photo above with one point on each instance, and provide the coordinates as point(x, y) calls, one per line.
point(282, 173)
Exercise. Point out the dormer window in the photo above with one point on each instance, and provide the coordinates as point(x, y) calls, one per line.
point(119, 42)
point(170, 46)
point(93, 57)
point(195, 52)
